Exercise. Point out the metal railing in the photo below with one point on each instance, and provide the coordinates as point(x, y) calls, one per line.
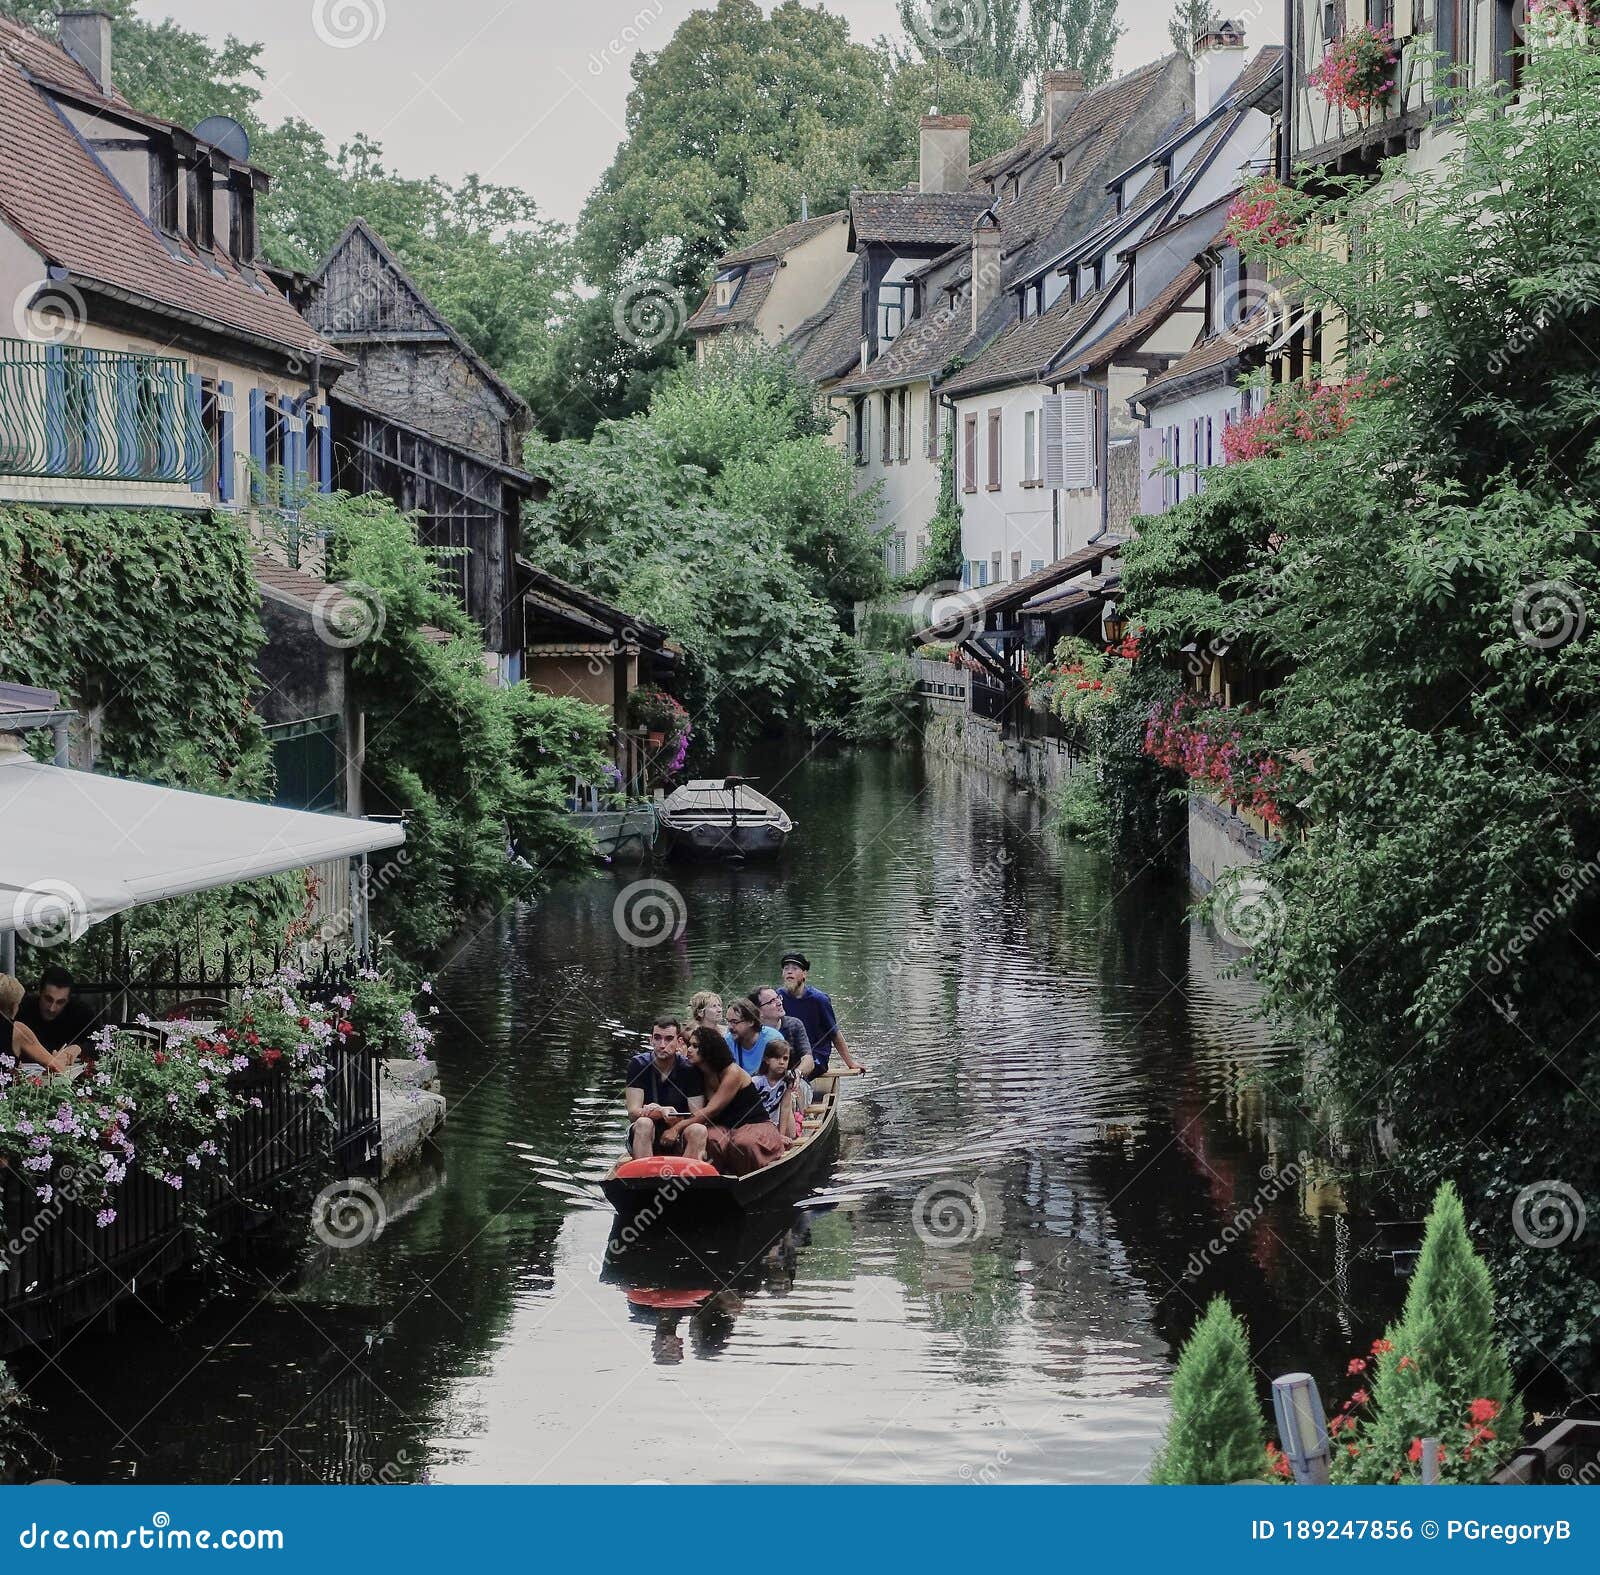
point(101, 415)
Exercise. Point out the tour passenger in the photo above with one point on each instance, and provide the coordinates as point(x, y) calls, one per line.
point(776, 1083)
point(770, 1005)
point(740, 1136)
point(58, 1022)
point(815, 1010)
point(747, 1038)
point(705, 1010)
point(18, 1039)
point(662, 1086)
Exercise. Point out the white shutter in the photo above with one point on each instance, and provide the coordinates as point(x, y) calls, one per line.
point(1152, 490)
point(1069, 429)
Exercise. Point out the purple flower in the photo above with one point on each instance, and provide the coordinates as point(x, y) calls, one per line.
point(105, 1217)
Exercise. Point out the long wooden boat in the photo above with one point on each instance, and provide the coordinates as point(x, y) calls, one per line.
point(722, 818)
point(645, 1199)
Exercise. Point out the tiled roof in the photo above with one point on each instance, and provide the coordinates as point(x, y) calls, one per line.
point(1024, 349)
point(915, 218)
point(1220, 350)
point(1130, 331)
point(780, 242)
point(923, 348)
point(828, 344)
point(753, 291)
point(319, 597)
point(970, 609)
point(63, 202)
point(49, 62)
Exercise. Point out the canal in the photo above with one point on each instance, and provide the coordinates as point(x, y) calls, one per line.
point(1070, 1137)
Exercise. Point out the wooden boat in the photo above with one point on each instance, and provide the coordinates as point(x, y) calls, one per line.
point(642, 1200)
point(723, 818)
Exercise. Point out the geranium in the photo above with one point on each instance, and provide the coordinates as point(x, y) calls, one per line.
point(1357, 72)
point(1296, 416)
point(1260, 213)
point(1194, 736)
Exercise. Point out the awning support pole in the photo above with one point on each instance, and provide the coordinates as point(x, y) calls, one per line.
point(358, 902)
point(63, 743)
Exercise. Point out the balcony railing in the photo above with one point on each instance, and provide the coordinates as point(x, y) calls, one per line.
point(104, 415)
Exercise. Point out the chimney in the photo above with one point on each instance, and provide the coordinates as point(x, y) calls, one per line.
point(1218, 60)
point(946, 152)
point(985, 265)
point(86, 36)
point(1062, 90)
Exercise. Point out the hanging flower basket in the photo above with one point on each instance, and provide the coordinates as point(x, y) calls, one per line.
point(1357, 73)
point(1259, 214)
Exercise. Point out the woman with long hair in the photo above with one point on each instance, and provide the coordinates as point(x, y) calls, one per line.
point(740, 1135)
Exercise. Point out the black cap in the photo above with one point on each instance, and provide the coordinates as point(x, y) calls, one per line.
point(799, 959)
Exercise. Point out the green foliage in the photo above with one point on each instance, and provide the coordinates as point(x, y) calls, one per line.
point(1012, 43)
point(942, 560)
point(1078, 809)
point(886, 629)
point(725, 516)
point(1423, 583)
point(887, 708)
point(1190, 19)
point(1215, 1435)
point(473, 767)
point(1441, 1372)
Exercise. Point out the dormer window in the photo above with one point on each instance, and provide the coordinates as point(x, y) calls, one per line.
point(728, 282)
point(202, 206)
point(164, 186)
point(1012, 188)
point(1061, 171)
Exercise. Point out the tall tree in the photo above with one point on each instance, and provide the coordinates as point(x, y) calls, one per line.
point(1012, 43)
point(1190, 19)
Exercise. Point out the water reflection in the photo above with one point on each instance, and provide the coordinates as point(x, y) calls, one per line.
point(1066, 1059)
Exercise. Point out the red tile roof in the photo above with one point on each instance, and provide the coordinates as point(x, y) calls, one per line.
point(63, 202)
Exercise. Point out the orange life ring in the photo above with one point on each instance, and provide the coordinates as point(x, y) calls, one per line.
point(663, 1165)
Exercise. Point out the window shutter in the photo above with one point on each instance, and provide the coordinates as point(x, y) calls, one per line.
point(994, 451)
point(1051, 421)
point(886, 446)
point(194, 435)
point(325, 449)
point(1069, 439)
point(1151, 486)
point(258, 443)
point(1232, 306)
point(55, 409)
point(225, 442)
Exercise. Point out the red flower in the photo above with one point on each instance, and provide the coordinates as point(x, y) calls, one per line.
point(1356, 1366)
point(160, 1058)
point(1381, 1347)
point(1482, 1411)
point(1360, 1397)
point(252, 1039)
point(1405, 1362)
point(1414, 1453)
point(305, 1022)
point(346, 1027)
point(272, 1057)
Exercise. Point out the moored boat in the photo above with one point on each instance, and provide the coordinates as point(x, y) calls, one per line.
point(668, 1188)
point(723, 818)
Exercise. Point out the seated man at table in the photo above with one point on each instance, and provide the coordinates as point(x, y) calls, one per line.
point(58, 1022)
point(18, 1041)
point(663, 1085)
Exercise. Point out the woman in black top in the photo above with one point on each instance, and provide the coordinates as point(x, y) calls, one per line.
point(740, 1135)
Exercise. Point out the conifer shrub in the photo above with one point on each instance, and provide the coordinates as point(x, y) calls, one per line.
point(1215, 1435)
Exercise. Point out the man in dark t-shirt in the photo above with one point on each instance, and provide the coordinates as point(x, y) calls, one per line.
point(815, 1010)
point(663, 1084)
point(56, 1019)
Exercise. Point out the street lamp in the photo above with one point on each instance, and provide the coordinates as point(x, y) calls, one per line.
point(1112, 623)
point(1303, 1427)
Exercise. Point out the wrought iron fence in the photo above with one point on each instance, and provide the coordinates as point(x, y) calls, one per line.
point(76, 413)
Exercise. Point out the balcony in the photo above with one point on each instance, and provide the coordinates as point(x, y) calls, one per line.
point(74, 414)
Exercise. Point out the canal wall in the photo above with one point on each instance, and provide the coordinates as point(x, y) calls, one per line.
point(1219, 840)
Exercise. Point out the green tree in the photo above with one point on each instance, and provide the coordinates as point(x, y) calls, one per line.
point(1441, 1372)
point(1191, 19)
point(1215, 1435)
point(1012, 43)
point(1420, 579)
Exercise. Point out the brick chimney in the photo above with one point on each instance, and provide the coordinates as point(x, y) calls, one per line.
point(985, 265)
point(946, 152)
point(86, 36)
point(1218, 59)
point(1062, 90)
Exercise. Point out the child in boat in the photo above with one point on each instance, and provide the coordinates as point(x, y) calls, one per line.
point(740, 1136)
point(776, 1087)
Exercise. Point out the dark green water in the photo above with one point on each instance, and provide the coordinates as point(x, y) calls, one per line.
point(1066, 1104)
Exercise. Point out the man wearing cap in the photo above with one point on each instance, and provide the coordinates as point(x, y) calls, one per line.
point(815, 1011)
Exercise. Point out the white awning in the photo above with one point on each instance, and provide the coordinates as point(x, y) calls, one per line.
point(76, 848)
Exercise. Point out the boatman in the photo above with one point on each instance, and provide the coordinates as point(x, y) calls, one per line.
point(815, 1012)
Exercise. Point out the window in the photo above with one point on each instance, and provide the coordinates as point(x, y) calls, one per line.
point(894, 306)
point(1333, 21)
point(886, 437)
point(1016, 567)
point(164, 186)
point(1035, 565)
point(905, 437)
point(307, 768)
point(932, 425)
point(863, 439)
point(201, 205)
point(1030, 447)
point(994, 568)
point(1510, 40)
point(994, 453)
point(728, 282)
point(969, 454)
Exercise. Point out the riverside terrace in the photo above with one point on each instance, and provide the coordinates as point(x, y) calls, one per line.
point(82, 850)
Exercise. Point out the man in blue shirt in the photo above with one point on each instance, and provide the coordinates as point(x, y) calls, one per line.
point(815, 1011)
point(662, 1084)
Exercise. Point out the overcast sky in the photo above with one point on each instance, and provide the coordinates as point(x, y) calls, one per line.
point(527, 92)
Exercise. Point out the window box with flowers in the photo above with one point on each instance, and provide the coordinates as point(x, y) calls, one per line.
point(1358, 71)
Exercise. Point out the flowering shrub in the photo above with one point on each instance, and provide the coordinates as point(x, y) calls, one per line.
point(1194, 736)
point(1565, 21)
point(658, 712)
point(1080, 678)
point(386, 1017)
point(1260, 214)
point(1357, 73)
point(1298, 416)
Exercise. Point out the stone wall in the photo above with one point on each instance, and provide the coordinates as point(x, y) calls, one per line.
point(1040, 764)
point(1218, 841)
point(434, 387)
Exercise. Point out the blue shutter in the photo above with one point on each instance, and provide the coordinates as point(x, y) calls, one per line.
point(55, 410)
point(93, 444)
point(325, 450)
point(258, 442)
point(290, 449)
point(127, 416)
point(194, 437)
point(225, 442)
point(169, 424)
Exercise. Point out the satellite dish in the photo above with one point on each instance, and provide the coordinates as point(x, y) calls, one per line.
point(226, 135)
